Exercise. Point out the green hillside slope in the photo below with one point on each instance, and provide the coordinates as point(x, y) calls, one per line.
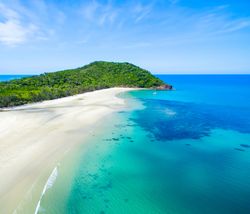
point(97, 75)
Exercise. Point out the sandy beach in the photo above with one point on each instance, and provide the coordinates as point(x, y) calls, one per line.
point(34, 137)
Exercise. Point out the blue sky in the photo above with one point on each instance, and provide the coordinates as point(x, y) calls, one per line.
point(163, 36)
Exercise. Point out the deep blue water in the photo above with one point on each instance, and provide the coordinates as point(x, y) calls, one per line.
point(225, 90)
point(185, 151)
point(200, 103)
point(11, 77)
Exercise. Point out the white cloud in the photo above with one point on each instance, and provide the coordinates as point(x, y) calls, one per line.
point(12, 30)
point(36, 21)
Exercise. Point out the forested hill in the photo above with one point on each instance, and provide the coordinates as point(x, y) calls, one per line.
point(97, 75)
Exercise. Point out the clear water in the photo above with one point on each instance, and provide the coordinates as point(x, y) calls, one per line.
point(180, 152)
point(11, 77)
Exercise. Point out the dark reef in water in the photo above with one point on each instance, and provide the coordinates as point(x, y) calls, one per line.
point(238, 149)
point(245, 145)
point(171, 120)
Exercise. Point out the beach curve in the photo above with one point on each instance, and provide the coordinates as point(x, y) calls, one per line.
point(34, 137)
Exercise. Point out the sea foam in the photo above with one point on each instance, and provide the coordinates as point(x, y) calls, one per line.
point(51, 180)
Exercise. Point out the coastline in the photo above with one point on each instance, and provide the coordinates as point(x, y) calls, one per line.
point(36, 136)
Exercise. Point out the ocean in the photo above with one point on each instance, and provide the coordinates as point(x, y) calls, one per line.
point(185, 151)
point(11, 77)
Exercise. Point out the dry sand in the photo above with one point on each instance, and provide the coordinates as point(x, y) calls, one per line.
point(34, 137)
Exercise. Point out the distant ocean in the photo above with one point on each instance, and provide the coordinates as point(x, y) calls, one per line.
point(185, 151)
point(11, 77)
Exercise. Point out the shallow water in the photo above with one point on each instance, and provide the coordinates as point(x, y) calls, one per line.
point(179, 152)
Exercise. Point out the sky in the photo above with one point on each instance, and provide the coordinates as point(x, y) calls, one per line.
point(162, 36)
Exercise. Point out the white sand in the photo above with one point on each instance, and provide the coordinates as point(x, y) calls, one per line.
point(34, 137)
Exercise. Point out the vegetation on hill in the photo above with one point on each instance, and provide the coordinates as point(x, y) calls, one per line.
point(97, 75)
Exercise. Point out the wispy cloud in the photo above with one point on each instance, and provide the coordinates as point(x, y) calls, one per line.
point(101, 14)
point(36, 21)
point(187, 25)
point(218, 21)
point(111, 12)
point(12, 30)
point(142, 11)
point(156, 24)
point(149, 30)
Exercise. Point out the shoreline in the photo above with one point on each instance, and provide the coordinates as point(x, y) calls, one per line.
point(35, 137)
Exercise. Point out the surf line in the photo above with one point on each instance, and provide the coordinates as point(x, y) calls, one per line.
point(51, 180)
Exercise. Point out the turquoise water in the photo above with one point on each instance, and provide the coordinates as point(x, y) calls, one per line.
point(180, 152)
point(11, 77)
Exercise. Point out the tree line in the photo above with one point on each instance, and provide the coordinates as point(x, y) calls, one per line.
point(94, 76)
